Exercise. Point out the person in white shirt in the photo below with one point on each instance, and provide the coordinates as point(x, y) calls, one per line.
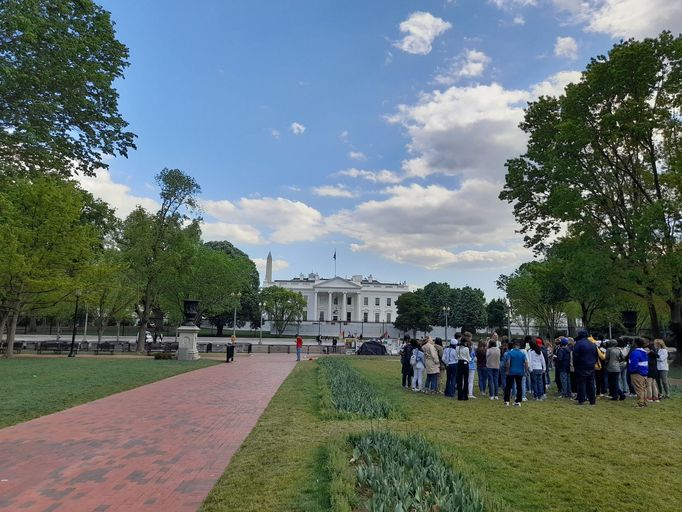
point(537, 365)
point(662, 366)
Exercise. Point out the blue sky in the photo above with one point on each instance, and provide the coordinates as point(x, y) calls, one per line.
point(378, 129)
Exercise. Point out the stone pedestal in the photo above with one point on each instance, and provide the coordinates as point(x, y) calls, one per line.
point(187, 343)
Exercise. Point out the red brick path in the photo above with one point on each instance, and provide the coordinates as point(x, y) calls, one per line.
point(160, 447)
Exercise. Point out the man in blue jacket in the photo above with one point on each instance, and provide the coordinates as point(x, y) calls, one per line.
point(638, 366)
point(584, 359)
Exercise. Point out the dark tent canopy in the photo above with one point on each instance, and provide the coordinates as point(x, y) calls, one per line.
point(372, 348)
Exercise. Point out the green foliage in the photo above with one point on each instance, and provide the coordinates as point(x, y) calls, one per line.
point(345, 393)
point(469, 310)
point(342, 480)
point(58, 108)
point(408, 474)
point(282, 306)
point(414, 313)
point(497, 314)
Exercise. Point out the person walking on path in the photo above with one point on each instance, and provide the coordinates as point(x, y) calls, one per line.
point(462, 369)
point(516, 367)
point(638, 367)
point(299, 346)
point(492, 363)
point(450, 361)
point(612, 362)
point(662, 366)
point(585, 359)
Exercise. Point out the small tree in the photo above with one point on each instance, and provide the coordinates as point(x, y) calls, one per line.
point(414, 313)
point(282, 306)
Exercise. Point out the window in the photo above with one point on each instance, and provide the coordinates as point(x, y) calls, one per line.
point(388, 301)
point(377, 301)
point(388, 317)
point(321, 316)
point(365, 301)
point(305, 316)
point(365, 317)
point(348, 301)
point(336, 300)
point(376, 316)
point(348, 316)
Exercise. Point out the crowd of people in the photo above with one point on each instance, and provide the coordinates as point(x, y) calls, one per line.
point(582, 369)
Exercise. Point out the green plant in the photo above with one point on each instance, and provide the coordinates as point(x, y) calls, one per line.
point(408, 474)
point(342, 495)
point(344, 392)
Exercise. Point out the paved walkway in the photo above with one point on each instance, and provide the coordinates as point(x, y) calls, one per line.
point(160, 447)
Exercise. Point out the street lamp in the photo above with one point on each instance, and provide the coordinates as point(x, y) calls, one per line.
point(234, 316)
point(260, 321)
point(446, 312)
point(72, 352)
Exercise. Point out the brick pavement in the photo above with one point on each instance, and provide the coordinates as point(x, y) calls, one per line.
point(160, 447)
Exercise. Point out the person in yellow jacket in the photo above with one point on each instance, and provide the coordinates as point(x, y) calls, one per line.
point(599, 373)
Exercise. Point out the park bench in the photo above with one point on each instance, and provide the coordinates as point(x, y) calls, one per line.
point(105, 346)
point(56, 347)
point(18, 346)
point(161, 347)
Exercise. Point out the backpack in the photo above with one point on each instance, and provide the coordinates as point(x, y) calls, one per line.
point(413, 358)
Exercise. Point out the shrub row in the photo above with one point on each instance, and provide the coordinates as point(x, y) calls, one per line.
point(344, 392)
point(407, 474)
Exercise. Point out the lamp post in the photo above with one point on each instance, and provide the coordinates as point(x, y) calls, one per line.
point(72, 352)
point(260, 321)
point(234, 316)
point(446, 312)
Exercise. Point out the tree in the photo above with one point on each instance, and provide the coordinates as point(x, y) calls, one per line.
point(439, 295)
point(497, 315)
point(469, 311)
point(414, 313)
point(606, 156)
point(147, 241)
point(282, 306)
point(45, 245)
point(58, 108)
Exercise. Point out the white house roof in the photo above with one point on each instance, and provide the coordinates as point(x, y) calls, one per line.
point(337, 283)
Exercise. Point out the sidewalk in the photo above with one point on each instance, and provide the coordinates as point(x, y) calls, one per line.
point(160, 447)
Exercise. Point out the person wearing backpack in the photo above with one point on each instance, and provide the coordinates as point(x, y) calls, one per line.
point(405, 356)
point(417, 358)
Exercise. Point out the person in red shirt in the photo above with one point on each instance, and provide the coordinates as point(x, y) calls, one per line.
point(299, 346)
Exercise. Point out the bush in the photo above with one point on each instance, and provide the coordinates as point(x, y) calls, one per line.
point(352, 394)
point(407, 474)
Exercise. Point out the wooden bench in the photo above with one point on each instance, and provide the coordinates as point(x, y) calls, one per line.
point(18, 347)
point(105, 346)
point(56, 347)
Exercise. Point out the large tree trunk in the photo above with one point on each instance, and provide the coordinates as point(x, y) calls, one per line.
point(11, 332)
point(653, 318)
point(144, 322)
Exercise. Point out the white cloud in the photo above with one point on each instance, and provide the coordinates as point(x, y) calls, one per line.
point(519, 20)
point(333, 191)
point(297, 128)
point(421, 28)
point(555, 84)
point(218, 209)
point(344, 136)
point(275, 134)
point(118, 195)
point(433, 226)
point(625, 18)
point(508, 4)
point(277, 265)
point(357, 155)
point(470, 64)
point(235, 233)
point(566, 47)
point(383, 176)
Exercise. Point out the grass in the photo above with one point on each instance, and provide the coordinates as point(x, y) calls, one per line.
point(543, 456)
point(33, 387)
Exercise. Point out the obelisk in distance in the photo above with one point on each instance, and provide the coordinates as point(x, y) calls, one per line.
point(268, 269)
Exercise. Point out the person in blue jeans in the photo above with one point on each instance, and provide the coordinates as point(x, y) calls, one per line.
point(536, 362)
point(450, 361)
point(492, 360)
point(516, 366)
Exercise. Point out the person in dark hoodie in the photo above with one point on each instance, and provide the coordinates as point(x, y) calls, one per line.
point(584, 359)
point(405, 355)
point(563, 364)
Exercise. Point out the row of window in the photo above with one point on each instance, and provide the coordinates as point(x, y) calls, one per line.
point(365, 301)
point(365, 317)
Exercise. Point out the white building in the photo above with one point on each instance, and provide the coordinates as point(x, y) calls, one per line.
point(359, 300)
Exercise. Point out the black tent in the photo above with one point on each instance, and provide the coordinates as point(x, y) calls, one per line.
point(372, 348)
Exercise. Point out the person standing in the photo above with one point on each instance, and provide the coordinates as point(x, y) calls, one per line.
point(472, 368)
point(441, 376)
point(584, 361)
point(563, 364)
point(516, 366)
point(432, 363)
point(536, 362)
point(418, 366)
point(450, 361)
point(482, 365)
point(462, 369)
point(638, 366)
point(406, 367)
point(662, 366)
point(492, 363)
point(612, 362)
point(299, 346)
point(652, 375)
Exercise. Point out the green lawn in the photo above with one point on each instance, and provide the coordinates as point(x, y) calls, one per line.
point(548, 455)
point(33, 387)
